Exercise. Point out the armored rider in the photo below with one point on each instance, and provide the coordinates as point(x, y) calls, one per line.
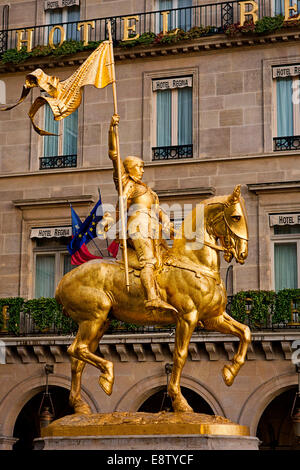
point(145, 218)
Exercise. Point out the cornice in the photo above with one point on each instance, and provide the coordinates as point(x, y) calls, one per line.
point(274, 187)
point(24, 204)
point(158, 347)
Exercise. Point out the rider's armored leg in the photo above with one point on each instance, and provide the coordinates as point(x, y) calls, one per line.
point(145, 253)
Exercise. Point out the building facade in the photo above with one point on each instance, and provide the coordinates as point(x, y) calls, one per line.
point(205, 111)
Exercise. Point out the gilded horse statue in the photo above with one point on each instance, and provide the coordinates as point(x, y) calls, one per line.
point(189, 279)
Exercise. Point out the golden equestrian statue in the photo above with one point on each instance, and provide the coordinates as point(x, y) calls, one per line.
point(153, 284)
point(187, 279)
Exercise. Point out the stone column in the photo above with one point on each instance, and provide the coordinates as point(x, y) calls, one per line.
point(7, 442)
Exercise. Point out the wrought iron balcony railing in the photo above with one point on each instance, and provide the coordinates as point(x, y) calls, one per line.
point(217, 15)
point(286, 143)
point(173, 152)
point(63, 161)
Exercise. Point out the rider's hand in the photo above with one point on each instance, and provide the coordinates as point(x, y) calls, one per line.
point(115, 120)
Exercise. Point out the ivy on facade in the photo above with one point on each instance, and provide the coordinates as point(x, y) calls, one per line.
point(258, 308)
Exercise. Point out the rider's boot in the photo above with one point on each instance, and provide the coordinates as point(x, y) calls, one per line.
point(153, 300)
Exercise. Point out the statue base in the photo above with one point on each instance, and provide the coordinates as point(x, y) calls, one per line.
point(145, 431)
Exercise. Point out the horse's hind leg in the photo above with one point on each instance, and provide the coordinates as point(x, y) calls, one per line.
point(227, 325)
point(75, 400)
point(83, 348)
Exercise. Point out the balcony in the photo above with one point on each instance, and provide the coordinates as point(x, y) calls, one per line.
point(281, 144)
point(124, 28)
point(173, 152)
point(63, 161)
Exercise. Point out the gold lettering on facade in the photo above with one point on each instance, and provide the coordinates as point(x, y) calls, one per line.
point(250, 13)
point(86, 25)
point(165, 15)
point(287, 9)
point(130, 28)
point(21, 41)
point(62, 36)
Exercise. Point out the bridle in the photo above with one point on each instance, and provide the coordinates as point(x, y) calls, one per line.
point(228, 234)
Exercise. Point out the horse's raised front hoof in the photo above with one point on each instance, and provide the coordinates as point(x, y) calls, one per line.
point(106, 383)
point(228, 376)
point(181, 405)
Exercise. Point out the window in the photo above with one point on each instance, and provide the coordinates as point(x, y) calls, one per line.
point(52, 261)
point(61, 150)
point(176, 19)
point(64, 15)
point(286, 254)
point(287, 106)
point(173, 118)
point(278, 8)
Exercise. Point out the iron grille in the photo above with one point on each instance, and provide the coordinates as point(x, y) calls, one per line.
point(286, 143)
point(64, 161)
point(172, 152)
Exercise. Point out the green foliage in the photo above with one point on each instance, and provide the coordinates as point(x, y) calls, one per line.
point(265, 25)
point(46, 314)
point(15, 305)
point(121, 325)
point(268, 24)
point(262, 307)
point(283, 305)
point(14, 56)
point(267, 308)
point(145, 39)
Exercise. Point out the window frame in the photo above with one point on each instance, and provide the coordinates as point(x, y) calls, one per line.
point(269, 103)
point(58, 253)
point(64, 20)
point(296, 110)
point(61, 135)
point(175, 5)
point(148, 114)
point(284, 239)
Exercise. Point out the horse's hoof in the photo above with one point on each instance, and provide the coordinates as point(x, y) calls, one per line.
point(228, 376)
point(106, 384)
point(82, 409)
point(181, 405)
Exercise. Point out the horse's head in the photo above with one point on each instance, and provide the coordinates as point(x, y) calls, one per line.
point(231, 227)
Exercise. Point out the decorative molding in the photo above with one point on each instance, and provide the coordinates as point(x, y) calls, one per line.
point(212, 351)
point(157, 347)
point(24, 204)
point(139, 351)
point(194, 353)
point(201, 191)
point(268, 350)
point(276, 186)
point(157, 351)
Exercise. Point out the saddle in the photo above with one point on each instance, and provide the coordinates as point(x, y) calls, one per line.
point(133, 262)
point(166, 260)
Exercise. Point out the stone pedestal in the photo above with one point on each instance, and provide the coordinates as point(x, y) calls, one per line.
point(148, 442)
point(145, 431)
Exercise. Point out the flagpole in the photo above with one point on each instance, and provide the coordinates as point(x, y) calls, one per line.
point(121, 201)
